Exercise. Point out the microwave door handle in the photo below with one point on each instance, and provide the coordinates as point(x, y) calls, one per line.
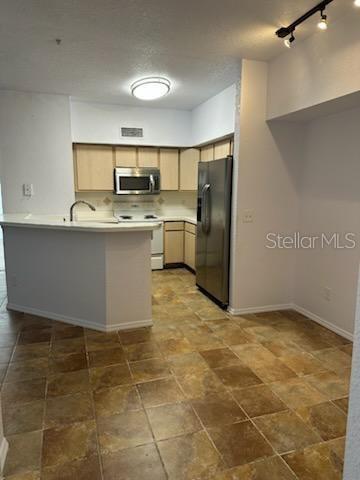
point(152, 183)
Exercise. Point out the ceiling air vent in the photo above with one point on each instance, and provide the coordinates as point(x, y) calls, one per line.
point(131, 132)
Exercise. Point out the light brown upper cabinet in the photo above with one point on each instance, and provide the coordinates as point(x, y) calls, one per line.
point(189, 160)
point(148, 157)
point(125, 156)
point(94, 165)
point(207, 153)
point(169, 168)
point(222, 149)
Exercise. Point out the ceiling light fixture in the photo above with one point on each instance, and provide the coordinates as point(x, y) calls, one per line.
point(284, 32)
point(357, 3)
point(150, 88)
point(323, 22)
point(289, 41)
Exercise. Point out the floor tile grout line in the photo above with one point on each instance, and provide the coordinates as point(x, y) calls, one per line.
point(146, 414)
point(173, 375)
point(91, 394)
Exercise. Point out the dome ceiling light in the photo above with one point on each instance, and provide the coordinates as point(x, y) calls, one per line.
point(150, 88)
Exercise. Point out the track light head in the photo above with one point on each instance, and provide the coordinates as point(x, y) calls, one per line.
point(289, 41)
point(285, 31)
point(322, 25)
point(357, 3)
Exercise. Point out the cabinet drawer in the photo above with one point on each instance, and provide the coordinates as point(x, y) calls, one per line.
point(174, 226)
point(191, 228)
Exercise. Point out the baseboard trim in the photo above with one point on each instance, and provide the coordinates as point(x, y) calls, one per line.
point(4, 447)
point(323, 322)
point(297, 308)
point(79, 321)
point(263, 309)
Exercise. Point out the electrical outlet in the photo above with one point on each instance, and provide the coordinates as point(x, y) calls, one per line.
point(248, 216)
point(28, 189)
point(327, 294)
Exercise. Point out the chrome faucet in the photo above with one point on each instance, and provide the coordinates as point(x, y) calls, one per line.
point(76, 203)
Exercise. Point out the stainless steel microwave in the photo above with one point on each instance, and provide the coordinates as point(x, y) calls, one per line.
point(136, 181)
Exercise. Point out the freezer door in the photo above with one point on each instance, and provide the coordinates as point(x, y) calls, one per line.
point(216, 210)
point(200, 259)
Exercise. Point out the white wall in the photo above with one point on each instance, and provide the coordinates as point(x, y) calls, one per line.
point(266, 181)
point(214, 118)
point(3, 445)
point(330, 202)
point(96, 284)
point(317, 70)
point(352, 457)
point(35, 147)
point(101, 123)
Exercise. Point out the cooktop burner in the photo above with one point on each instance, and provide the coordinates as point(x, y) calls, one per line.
point(150, 216)
point(126, 217)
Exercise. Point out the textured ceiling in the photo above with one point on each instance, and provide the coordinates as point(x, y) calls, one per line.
point(107, 44)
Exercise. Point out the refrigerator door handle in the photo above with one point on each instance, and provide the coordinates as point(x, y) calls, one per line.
point(202, 208)
point(206, 222)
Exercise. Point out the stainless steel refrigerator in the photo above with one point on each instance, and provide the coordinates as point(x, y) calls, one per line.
point(213, 229)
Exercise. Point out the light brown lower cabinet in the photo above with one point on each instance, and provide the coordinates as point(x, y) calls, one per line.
point(180, 243)
point(189, 249)
point(174, 246)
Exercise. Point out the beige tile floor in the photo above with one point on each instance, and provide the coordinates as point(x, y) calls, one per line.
point(200, 395)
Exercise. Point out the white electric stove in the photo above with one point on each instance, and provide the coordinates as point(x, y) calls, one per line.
point(157, 242)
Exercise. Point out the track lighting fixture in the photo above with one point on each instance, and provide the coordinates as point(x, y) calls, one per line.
point(284, 32)
point(322, 25)
point(289, 41)
point(357, 3)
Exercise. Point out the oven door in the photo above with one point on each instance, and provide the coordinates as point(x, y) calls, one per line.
point(137, 181)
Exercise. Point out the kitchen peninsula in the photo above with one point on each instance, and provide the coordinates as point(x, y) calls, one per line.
point(93, 274)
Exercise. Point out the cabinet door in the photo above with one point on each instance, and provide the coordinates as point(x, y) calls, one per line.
point(94, 167)
point(174, 246)
point(125, 156)
point(189, 160)
point(148, 157)
point(169, 168)
point(207, 153)
point(222, 149)
point(189, 249)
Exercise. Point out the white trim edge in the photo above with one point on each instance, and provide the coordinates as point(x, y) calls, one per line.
point(323, 322)
point(4, 447)
point(266, 308)
point(79, 321)
point(297, 308)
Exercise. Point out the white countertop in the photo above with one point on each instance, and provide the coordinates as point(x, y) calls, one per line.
point(178, 218)
point(57, 222)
